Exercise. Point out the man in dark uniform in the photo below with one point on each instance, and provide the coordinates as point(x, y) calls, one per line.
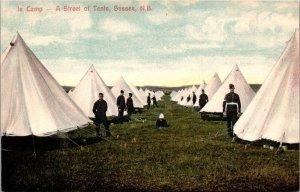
point(154, 101)
point(148, 101)
point(99, 109)
point(121, 106)
point(194, 98)
point(231, 109)
point(203, 99)
point(129, 105)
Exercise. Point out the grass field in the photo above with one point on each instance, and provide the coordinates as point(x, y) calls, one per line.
point(191, 155)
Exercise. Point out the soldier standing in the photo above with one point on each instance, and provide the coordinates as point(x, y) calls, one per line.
point(99, 109)
point(121, 106)
point(194, 98)
point(154, 101)
point(203, 99)
point(129, 105)
point(148, 101)
point(231, 109)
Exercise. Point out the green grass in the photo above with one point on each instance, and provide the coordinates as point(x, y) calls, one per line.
point(191, 155)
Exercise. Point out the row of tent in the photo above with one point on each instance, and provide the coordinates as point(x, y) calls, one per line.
point(216, 91)
point(273, 112)
point(33, 102)
point(86, 93)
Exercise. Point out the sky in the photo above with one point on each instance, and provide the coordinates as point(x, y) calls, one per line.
point(175, 43)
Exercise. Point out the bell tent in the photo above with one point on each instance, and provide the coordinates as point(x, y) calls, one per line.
point(32, 101)
point(86, 93)
point(274, 112)
point(246, 93)
point(122, 85)
point(213, 85)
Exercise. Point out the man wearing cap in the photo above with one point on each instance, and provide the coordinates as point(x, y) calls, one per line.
point(121, 106)
point(99, 109)
point(203, 99)
point(161, 123)
point(231, 109)
point(129, 105)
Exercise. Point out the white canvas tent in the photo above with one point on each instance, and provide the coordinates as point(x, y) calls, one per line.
point(32, 101)
point(147, 91)
point(213, 85)
point(143, 95)
point(138, 94)
point(182, 94)
point(274, 112)
point(175, 97)
point(179, 95)
point(158, 95)
point(189, 93)
point(141, 91)
point(246, 93)
point(86, 93)
point(173, 93)
point(122, 85)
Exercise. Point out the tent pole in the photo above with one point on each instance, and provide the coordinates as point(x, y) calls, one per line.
point(281, 141)
point(280, 145)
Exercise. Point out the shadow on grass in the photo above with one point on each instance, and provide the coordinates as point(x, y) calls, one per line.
point(40, 144)
point(261, 143)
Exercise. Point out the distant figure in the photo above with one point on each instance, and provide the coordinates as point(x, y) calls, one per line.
point(161, 123)
point(231, 109)
point(99, 109)
point(203, 99)
point(194, 98)
point(154, 101)
point(129, 105)
point(121, 106)
point(148, 101)
point(188, 98)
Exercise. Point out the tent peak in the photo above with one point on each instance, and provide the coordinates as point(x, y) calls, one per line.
point(236, 67)
point(296, 34)
point(14, 40)
point(121, 78)
point(92, 68)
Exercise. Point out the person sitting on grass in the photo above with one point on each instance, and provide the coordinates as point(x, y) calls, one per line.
point(161, 123)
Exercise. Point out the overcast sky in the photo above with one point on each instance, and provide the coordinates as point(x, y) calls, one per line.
point(176, 43)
